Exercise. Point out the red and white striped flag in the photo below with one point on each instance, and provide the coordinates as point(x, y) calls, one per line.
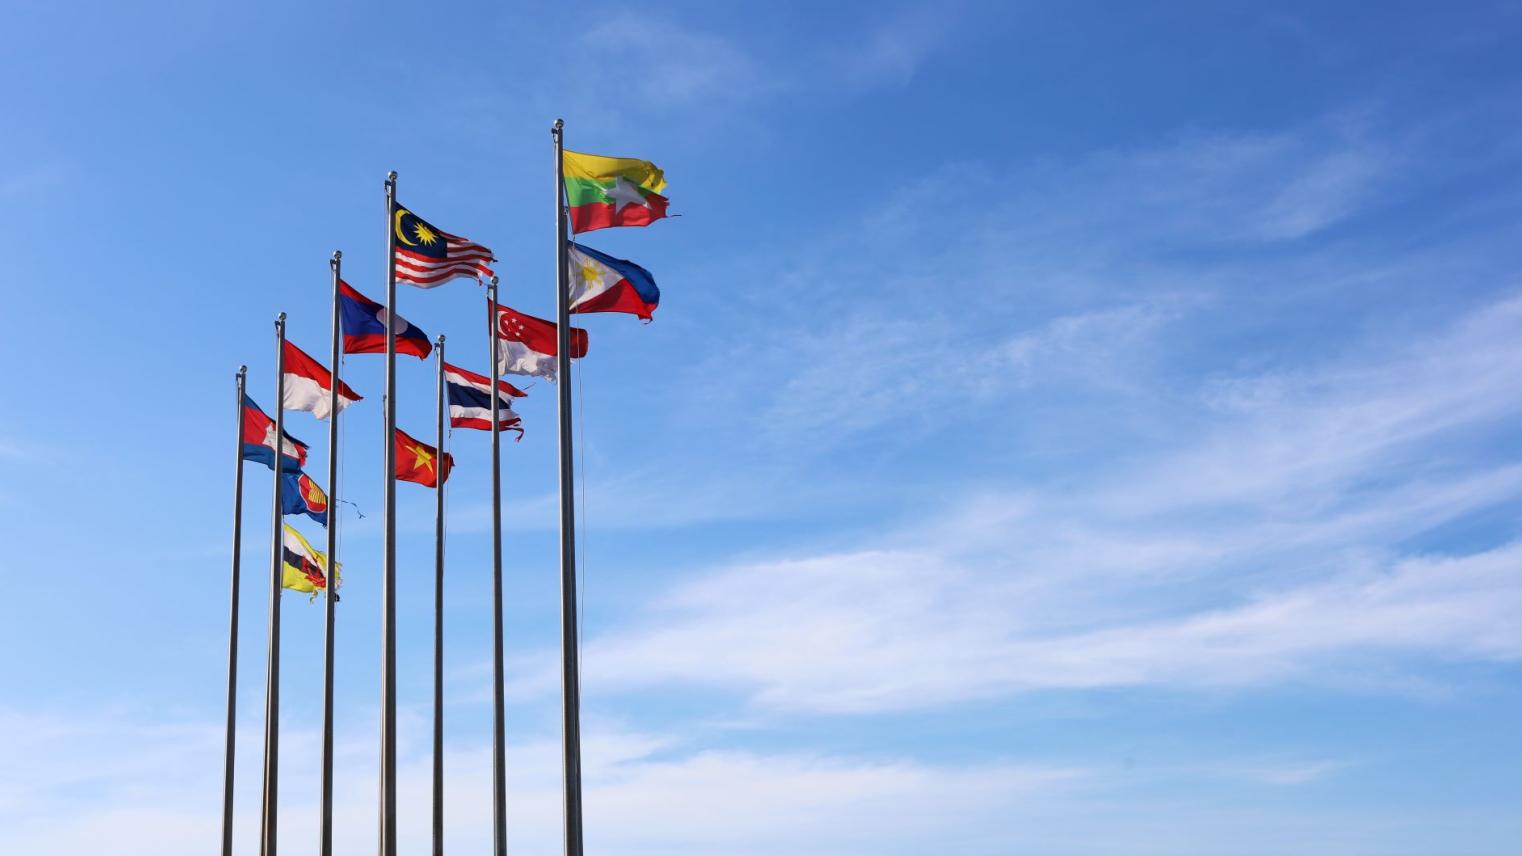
point(427, 256)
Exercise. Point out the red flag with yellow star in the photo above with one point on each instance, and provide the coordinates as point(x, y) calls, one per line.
point(417, 461)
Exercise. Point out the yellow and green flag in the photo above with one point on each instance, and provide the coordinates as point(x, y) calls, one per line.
point(604, 191)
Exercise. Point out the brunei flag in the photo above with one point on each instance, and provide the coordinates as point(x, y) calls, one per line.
point(601, 283)
point(604, 191)
point(305, 566)
point(417, 461)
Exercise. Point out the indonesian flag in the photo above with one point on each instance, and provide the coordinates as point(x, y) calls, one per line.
point(307, 384)
point(470, 401)
point(527, 344)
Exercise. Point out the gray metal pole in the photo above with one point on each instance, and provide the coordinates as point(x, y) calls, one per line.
point(271, 809)
point(438, 620)
point(232, 633)
point(499, 704)
point(388, 566)
point(325, 844)
point(570, 669)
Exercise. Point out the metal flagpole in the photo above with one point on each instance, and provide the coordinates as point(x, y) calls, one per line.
point(388, 573)
point(232, 632)
point(499, 707)
point(267, 842)
point(438, 622)
point(570, 676)
point(325, 844)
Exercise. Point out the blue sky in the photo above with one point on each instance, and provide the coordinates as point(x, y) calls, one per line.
point(1067, 429)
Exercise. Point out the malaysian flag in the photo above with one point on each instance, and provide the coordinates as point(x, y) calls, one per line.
point(426, 256)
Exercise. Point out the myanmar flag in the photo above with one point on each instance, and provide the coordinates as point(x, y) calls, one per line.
point(605, 191)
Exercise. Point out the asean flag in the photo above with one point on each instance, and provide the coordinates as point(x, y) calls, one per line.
point(601, 283)
point(300, 495)
point(364, 326)
point(307, 384)
point(259, 440)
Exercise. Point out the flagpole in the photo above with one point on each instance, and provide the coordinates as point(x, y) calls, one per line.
point(570, 676)
point(267, 842)
point(438, 621)
point(232, 630)
point(325, 845)
point(499, 706)
point(387, 835)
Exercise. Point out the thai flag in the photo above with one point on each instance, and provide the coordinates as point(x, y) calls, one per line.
point(364, 326)
point(470, 401)
point(307, 384)
point(259, 440)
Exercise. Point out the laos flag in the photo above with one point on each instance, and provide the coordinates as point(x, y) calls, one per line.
point(259, 441)
point(364, 326)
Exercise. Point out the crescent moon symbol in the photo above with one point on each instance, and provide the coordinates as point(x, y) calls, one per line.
point(400, 235)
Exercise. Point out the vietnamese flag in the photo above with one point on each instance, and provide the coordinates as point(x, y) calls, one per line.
point(604, 191)
point(417, 461)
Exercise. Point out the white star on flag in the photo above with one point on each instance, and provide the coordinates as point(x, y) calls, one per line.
point(624, 193)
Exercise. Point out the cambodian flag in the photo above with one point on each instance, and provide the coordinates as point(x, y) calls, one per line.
point(601, 283)
point(364, 326)
point(470, 401)
point(259, 440)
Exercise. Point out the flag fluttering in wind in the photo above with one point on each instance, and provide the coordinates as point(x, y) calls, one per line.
point(470, 401)
point(604, 191)
point(427, 256)
point(307, 384)
point(601, 283)
point(364, 326)
point(305, 566)
point(259, 440)
point(300, 495)
point(528, 344)
point(417, 461)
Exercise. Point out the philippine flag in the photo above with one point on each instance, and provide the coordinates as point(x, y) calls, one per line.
point(259, 440)
point(601, 283)
point(364, 326)
point(470, 401)
point(307, 384)
point(527, 344)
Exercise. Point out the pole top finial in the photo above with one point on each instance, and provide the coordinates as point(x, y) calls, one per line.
point(280, 320)
point(242, 370)
point(440, 342)
point(559, 125)
point(391, 176)
point(337, 254)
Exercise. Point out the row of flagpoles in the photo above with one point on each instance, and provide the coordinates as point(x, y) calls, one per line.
point(591, 192)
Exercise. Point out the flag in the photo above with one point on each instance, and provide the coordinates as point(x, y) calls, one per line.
point(305, 565)
point(300, 495)
point(307, 384)
point(603, 191)
point(601, 283)
point(528, 344)
point(259, 440)
point(426, 256)
point(470, 401)
point(364, 326)
point(417, 461)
